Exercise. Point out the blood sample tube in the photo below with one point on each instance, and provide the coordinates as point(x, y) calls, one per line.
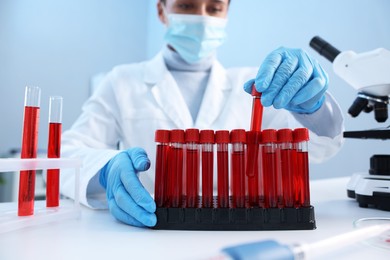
point(222, 140)
point(207, 146)
point(256, 121)
point(238, 139)
point(302, 191)
point(54, 151)
point(161, 137)
point(252, 144)
point(286, 177)
point(257, 110)
point(192, 167)
point(269, 162)
point(29, 149)
point(175, 169)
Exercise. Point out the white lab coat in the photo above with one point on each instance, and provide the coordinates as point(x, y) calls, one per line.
point(136, 99)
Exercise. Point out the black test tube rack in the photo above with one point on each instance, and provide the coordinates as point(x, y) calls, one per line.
point(251, 218)
point(233, 218)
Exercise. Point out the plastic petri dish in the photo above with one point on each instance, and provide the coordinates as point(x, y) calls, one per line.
point(381, 240)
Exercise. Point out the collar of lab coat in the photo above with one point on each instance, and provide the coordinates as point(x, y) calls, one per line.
point(168, 95)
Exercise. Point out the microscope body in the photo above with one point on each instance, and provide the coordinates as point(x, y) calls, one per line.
point(369, 74)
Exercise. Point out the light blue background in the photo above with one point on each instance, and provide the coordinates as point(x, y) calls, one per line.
point(59, 45)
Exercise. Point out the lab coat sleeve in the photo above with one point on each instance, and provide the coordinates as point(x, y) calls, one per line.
point(326, 127)
point(93, 138)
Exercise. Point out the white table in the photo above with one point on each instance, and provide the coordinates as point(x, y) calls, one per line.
point(96, 235)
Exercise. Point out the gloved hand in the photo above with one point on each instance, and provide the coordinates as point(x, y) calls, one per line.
point(290, 79)
point(128, 200)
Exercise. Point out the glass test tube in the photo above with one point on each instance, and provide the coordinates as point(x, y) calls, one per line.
point(175, 169)
point(238, 139)
point(269, 162)
point(253, 144)
point(286, 177)
point(252, 165)
point(29, 149)
point(222, 140)
point(161, 137)
point(207, 146)
point(54, 151)
point(192, 167)
point(257, 110)
point(302, 190)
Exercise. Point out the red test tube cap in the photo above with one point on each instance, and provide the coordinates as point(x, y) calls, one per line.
point(222, 137)
point(255, 93)
point(192, 135)
point(177, 136)
point(207, 136)
point(269, 136)
point(301, 134)
point(285, 135)
point(161, 136)
point(238, 136)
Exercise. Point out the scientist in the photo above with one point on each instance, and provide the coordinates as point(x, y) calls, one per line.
point(185, 86)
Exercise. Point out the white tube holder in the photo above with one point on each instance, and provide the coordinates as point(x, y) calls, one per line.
point(9, 219)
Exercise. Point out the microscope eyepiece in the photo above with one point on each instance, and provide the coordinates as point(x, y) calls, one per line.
point(324, 48)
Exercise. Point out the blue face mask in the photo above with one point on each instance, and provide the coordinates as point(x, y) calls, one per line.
point(195, 37)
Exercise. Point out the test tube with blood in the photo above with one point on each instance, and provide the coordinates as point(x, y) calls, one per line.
point(207, 145)
point(269, 163)
point(238, 139)
point(175, 169)
point(192, 166)
point(257, 110)
point(285, 177)
point(302, 190)
point(29, 150)
point(162, 138)
point(54, 151)
point(253, 144)
point(222, 140)
point(252, 162)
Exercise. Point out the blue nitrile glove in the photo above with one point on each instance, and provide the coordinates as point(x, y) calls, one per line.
point(290, 79)
point(128, 200)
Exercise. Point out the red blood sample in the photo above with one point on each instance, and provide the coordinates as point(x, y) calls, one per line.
point(29, 150)
point(53, 175)
point(257, 110)
point(192, 167)
point(175, 169)
point(301, 183)
point(238, 139)
point(222, 139)
point(253, 147)
point(161, 169)
point(269, 160)
point(54, 151)
point(286, 177)
point(253, 143)
point(207, 144)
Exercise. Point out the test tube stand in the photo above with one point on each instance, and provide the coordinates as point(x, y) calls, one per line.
point(9, 220)
point(249, 218)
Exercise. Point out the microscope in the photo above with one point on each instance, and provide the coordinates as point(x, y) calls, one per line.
point(369, 74)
